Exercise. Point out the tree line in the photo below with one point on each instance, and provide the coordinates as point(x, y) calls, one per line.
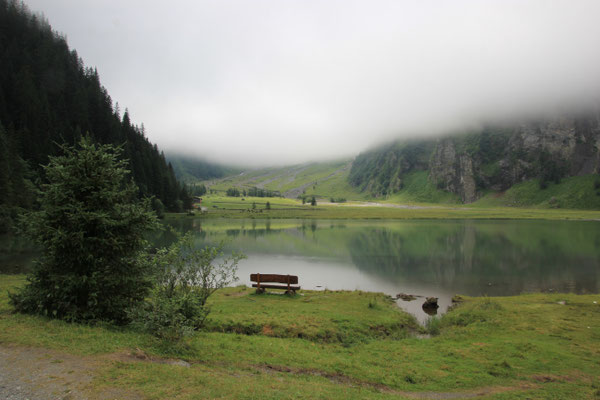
point(252, 192)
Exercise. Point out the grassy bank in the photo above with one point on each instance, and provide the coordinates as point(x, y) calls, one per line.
point(342, 345)
point(255, 207)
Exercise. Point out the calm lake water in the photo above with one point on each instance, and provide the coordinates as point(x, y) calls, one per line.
point(424, 258)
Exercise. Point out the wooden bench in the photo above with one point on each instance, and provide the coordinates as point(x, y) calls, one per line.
point(265, 281)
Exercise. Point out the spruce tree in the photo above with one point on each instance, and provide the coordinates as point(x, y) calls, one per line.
point(91, 228)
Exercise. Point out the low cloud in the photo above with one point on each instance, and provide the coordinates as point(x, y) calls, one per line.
point(278, 82)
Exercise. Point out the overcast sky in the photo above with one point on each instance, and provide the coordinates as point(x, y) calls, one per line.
point(287, 81)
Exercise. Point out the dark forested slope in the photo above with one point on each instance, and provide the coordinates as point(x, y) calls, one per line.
point(48, 97)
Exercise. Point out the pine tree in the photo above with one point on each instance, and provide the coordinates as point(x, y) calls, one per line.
point(91, 228)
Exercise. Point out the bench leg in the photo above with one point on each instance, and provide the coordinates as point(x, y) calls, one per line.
point(260, 290)
point(290, 292)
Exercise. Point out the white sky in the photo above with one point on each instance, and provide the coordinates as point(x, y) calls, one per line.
point(287, 81)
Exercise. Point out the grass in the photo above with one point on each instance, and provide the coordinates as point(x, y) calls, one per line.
point(330, 180)
point(328, 316)
point(576, 192)
point(280, 178)
point(234, 207)
point(529, 346)
point(418, 189)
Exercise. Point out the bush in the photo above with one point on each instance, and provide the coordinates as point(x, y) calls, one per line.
point(91, 228)
point(185, 278)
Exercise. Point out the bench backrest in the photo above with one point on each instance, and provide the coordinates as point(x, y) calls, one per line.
point(293, 279)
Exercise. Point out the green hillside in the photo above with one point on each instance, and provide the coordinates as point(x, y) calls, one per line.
point(323, 180)
point(578, 192)
point(330, 180)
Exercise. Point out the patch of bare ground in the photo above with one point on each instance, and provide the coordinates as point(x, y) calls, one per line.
point(42, 374)
point(139, 355)
point(348, 381)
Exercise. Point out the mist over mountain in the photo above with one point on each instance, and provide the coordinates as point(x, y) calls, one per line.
point(271, 83)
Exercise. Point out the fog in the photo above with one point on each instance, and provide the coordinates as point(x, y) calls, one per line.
point(285, 81)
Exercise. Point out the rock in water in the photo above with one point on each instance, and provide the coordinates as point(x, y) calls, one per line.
point(406, 297)
point(431, 305)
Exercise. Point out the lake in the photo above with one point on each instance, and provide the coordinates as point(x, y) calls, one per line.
point(420, 257)
point(436, 258)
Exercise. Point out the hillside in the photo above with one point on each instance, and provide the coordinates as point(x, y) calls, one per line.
point(49, 97)
point(320, 179)
point(548, 163)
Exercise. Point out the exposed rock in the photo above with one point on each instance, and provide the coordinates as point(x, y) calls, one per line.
point(431, 302)
point(495, 157)
point(406, 297)
point(568, 146)
point(431, 305)
point(452, 171)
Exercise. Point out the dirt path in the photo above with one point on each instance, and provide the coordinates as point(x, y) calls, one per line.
point(28, 373)
point(41, 374)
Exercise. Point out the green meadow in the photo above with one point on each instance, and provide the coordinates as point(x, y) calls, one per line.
point(255, 207)
point(342, 344)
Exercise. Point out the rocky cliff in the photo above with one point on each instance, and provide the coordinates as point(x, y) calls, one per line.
point(493, 158)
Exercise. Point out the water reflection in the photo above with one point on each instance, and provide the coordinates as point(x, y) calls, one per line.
point(426, 258)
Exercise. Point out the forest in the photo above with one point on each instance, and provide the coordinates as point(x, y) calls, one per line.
point(48, 97)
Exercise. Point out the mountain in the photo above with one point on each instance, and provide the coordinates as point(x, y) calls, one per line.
point(48, 97)
point(494, 160)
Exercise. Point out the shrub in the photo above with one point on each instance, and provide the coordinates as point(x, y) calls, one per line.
point(185, 278)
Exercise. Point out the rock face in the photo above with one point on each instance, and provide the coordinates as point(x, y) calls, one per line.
point(453, 171)
point(498, 158)
point(495, 157)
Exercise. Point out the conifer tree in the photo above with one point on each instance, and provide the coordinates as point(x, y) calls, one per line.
point(91, 227)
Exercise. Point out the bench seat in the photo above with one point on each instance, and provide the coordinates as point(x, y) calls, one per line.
point(266, 281)
point(271, 286)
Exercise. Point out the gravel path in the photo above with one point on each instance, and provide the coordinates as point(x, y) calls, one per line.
point(28, 373)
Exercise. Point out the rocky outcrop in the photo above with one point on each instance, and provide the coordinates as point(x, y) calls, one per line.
point(496, 157)
point(549, 149)
point(452, 171)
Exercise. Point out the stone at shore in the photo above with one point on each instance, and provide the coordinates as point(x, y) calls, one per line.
point(431, 302)
point(406, 297)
